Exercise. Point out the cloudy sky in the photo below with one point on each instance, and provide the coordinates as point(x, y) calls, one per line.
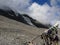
point(45, 11)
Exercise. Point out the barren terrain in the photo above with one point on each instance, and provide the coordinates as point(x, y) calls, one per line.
point(17, 33)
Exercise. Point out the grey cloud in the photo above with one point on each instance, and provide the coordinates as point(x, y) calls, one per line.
point(19, 5)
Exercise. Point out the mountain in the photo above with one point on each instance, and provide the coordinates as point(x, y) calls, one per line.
point(37, 23)
point(16, 32)
point(13, 32)
point(24, 18)
point(11, 14)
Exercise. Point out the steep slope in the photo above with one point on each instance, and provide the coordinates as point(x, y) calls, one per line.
point(16, 33)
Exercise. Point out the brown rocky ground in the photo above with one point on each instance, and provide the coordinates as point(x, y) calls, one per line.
point(17, 33)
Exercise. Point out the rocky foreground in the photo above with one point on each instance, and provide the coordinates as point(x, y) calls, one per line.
point(17, 33)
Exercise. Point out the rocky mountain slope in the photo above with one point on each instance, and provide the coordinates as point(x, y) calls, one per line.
point(16, 33)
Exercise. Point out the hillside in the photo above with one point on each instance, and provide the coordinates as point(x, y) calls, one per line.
point(15, 33)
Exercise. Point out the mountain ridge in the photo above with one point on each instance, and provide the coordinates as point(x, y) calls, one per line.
point(24, 18)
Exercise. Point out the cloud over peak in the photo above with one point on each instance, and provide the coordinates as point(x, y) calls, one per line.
point(44, 13)
point(40, 12)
